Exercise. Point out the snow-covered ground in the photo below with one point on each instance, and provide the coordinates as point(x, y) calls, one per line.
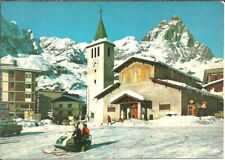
point(168, 137)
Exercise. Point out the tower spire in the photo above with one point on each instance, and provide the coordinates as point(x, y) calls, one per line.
point(100, 12)
point(100, 33)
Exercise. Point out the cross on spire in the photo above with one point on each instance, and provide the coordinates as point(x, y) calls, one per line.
point(100, 12)
point(101, 33)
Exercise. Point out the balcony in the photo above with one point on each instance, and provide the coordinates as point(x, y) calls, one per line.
point(28, 79)
point(27, 99)
point(28, 90)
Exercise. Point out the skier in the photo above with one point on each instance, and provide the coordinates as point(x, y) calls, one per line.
point(76, 135)
point(109, 120)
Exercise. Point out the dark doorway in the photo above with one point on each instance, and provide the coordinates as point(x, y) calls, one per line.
point(134, 111)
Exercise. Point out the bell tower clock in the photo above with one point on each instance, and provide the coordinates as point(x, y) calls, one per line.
point(100, 65)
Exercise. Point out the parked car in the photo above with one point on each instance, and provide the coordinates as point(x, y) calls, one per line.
point(9, 127)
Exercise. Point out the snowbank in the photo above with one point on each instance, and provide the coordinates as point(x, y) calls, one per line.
point(173, 121)
point(33, 123)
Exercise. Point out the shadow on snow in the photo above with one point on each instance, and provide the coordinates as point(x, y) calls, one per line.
point(101, 144)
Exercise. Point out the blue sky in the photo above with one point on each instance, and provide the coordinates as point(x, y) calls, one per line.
point(79, 20)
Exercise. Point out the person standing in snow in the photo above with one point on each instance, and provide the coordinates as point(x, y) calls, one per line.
point(109, 120)
point(85, 131)
point(76, 135)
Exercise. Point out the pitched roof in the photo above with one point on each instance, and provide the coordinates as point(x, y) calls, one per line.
point(67, 96)
point(132, 59)
point(108, 90)
point(127, 93)
point(100, 33)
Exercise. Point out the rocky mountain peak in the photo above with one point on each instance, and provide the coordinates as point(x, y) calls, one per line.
point(16, 41)
point(176, 42)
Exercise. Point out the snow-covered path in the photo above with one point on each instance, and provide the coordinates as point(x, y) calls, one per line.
point(136, 142)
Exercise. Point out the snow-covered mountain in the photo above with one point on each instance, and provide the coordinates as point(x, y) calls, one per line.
point(170, 42)
point(175, 42)
point(14, 40)
point(64, 64)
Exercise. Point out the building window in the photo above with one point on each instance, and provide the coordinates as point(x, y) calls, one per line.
point(219, 89)
point(108, 51)
point(98, 51)
point(24, 106)
point(28, 75)
point(28, 95)
point(92, 115)
point(94, 81)
point(69, 113)
point(60, 105)
point(28, 85)
point(164, 106)
point(69, 105)
point(11, 95)
point(95, 52)
point(11, 74)
point(111, 109)
point(92, 54)
point(11, 85)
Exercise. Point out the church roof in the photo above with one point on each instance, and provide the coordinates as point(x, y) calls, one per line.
point(101, 33)
point(149, 60)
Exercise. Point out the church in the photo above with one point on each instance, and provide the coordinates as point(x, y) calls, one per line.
point(147, 89)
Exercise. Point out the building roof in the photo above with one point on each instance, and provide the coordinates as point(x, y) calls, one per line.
point(100, 33)
point(107, 90)
point(213, 83)
point(69, 97)
point(170, 83)
point(127, 93)
point(102, 40)
point(150, 61)
point(11, 67)
point(211, 71)
point(185, 86)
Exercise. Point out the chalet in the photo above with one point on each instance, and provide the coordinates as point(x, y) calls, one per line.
point(213, 81)
point(67, 105)
point(18, 88)
point(44, 98)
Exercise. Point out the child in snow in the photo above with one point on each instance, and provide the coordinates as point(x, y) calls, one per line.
point(109, 120)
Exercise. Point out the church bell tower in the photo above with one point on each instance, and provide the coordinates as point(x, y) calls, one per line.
point(100, 63)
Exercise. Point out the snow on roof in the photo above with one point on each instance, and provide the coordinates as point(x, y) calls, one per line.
point(12, 67)
point(139, 57)
point(154, 61)
point(130, 93)
point(100, 41)
point(202, 91)
point(213, 82)
point(174, 82)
